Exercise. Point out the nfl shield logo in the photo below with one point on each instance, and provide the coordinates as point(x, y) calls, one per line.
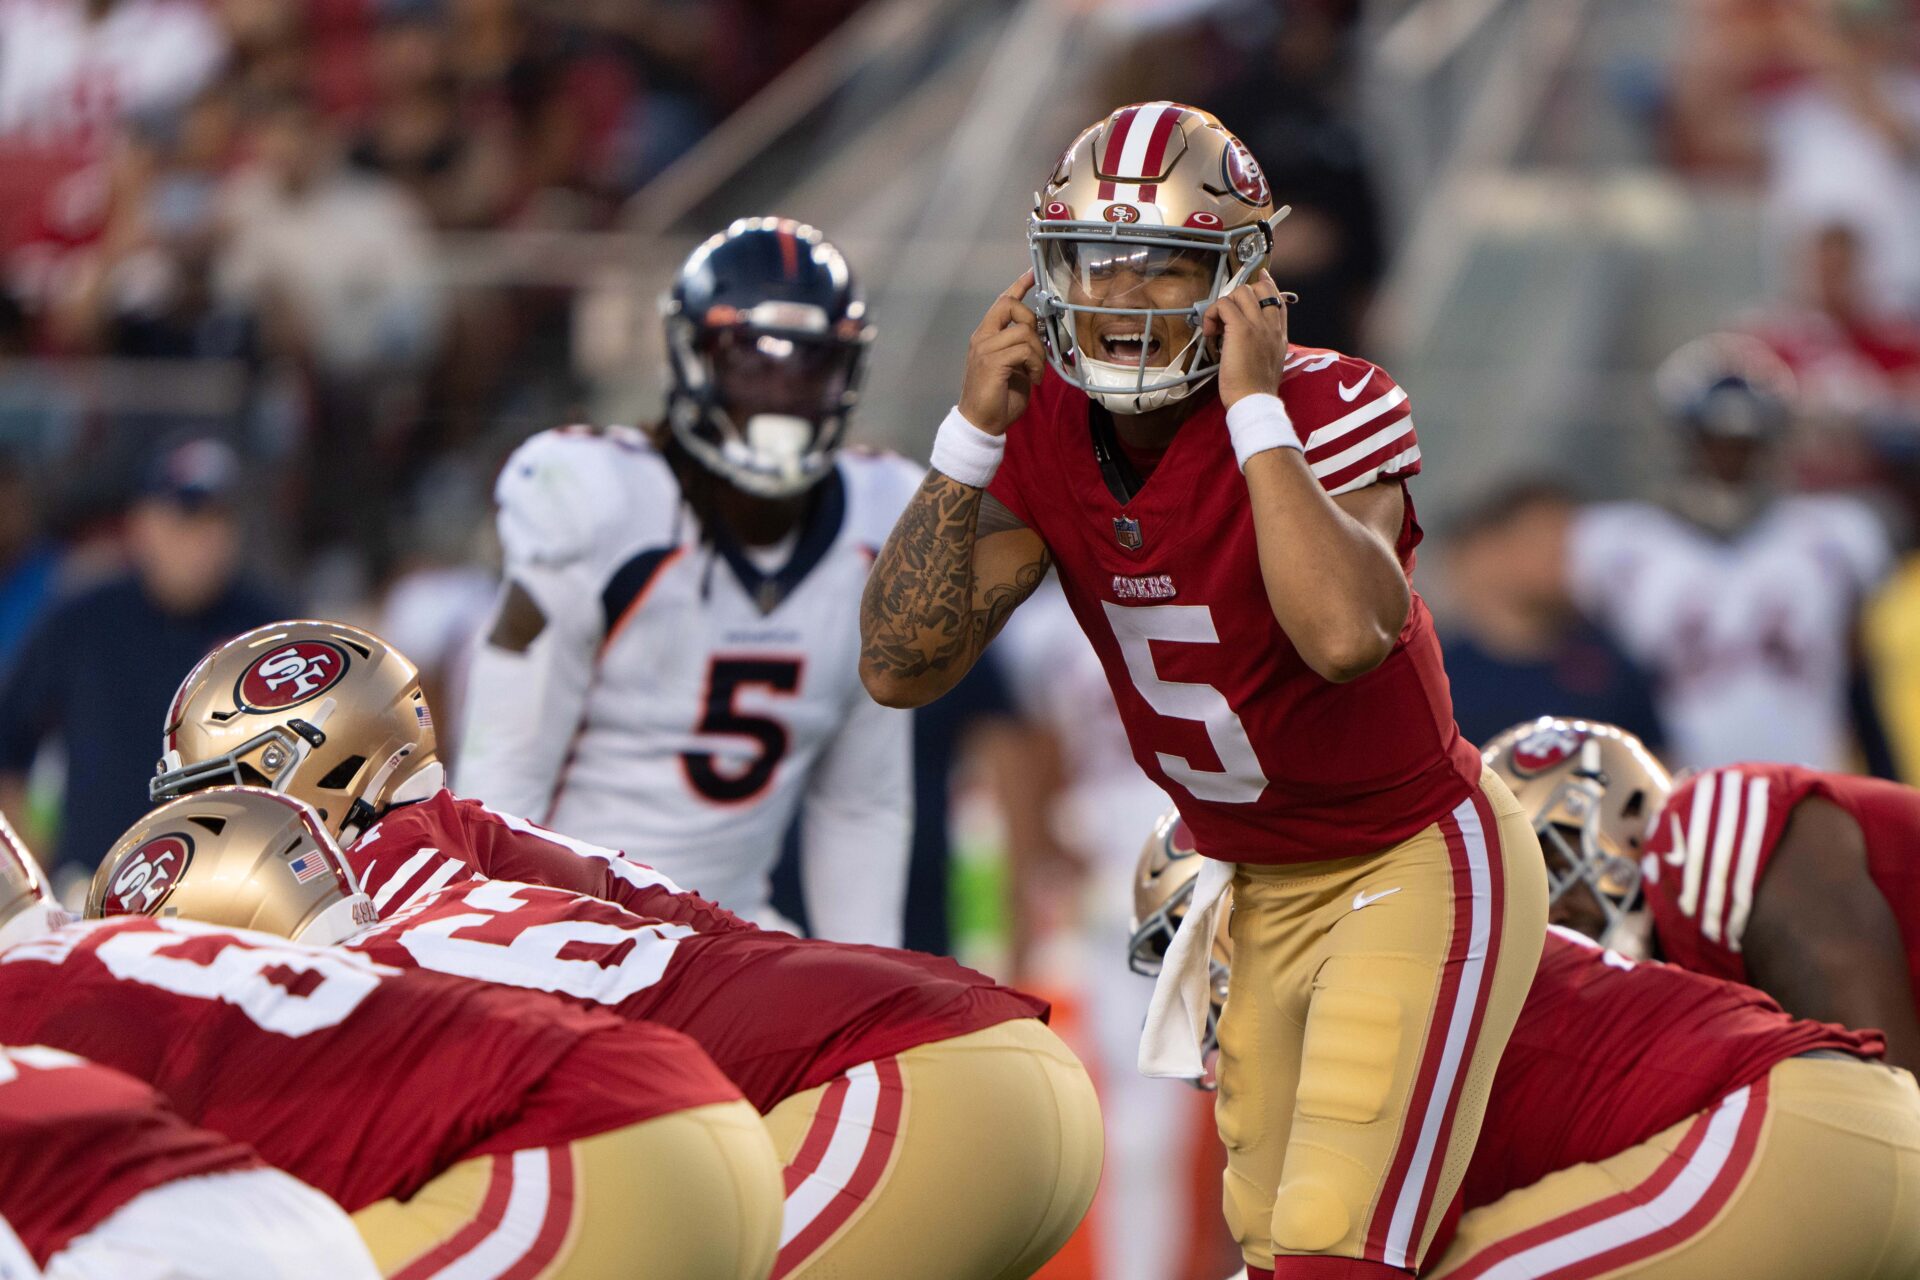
point(1127, 531)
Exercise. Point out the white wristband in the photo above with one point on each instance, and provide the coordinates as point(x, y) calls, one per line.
point(1258, 423)
point(964, 452)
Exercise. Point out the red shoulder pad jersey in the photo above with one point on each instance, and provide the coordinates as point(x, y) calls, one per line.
point(1708, 854)
point(1608, 1053)
point(362, 1081)
point(1267, 761)
point(778, 1014)
point(78, 1141)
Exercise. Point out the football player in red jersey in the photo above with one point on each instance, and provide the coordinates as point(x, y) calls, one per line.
point(1650, 1122)
point(817, 1034)
point(1229, 519)
point(100, 1180)
point(1802, 883)
point(471, 1131)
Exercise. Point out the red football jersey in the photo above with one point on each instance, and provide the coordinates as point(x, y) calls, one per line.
point(361, 1080)
point(778, 1014)
point(1267, 761)
point(1708, 853)
point(78, 1141)
point(1608, 1053)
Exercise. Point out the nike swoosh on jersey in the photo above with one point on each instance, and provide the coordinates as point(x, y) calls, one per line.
point(1351, 393)
point(1368, 899)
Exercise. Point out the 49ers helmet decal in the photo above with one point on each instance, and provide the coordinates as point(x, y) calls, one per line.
point(1156, 190)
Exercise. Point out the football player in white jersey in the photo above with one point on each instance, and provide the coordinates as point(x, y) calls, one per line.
point(671, 668)
point(1742, 600)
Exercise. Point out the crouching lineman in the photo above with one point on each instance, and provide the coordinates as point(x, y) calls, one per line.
point(1801, 883)
point(1650, 1122)
point(470, 1130)
point(930, 1123)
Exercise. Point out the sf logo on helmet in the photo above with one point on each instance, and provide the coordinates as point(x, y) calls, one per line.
point(147, 875)
point(1544, 748)
point(291, 675)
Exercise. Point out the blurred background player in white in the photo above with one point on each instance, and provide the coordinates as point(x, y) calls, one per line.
point(670, 670)
point(1740, 599)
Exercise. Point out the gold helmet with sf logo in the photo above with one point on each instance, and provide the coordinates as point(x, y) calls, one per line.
point(321, 711)
point(1152, 215)
point(237, 857)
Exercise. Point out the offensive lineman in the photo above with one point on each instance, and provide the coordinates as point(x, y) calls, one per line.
point(670, 670)
point(999, 1148)
point(1803, 884)
point(422, 1104)
point(1230, 522)
point(1653, 1123)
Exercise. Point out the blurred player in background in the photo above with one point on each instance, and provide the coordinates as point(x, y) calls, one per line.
point(671, 669)
point(1803, 884)
point(1738, 598)
point(925, 1115)
point(100, 1180)
point(1230, 523)
point(1650, 1122)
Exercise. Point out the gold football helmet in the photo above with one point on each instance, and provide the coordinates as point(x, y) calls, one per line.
point(1162, 891)
point(1149, 217)
point(1593, 791)
point(27, 905)
point(321, 711)
point(238, 857)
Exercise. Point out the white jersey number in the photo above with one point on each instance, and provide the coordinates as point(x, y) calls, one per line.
point(583, 958)
point(1241, 780)
point(293, 992)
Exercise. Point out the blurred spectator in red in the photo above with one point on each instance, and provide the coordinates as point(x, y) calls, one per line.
point(1515, 647)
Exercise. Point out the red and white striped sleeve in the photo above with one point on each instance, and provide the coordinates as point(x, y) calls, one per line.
point(1705, 859)
point(1353, 418)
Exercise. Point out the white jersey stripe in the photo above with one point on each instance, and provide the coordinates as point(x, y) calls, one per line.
point(1693, 1184)
point(1398, 462)
point(637, 874)
point(399, 879)
point(1372, 444)
point(1748, 871)
point(441, 877)
point(507, 1245)
point(1358, 418)
point(852, 1134)
point(1726, 831)
point(1698, 823)
point(1459, 1022)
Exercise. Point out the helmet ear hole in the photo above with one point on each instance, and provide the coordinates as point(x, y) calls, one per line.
point(341, 776)
point(213, 825)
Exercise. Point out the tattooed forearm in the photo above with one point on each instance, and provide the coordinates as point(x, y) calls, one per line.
point(925, 617)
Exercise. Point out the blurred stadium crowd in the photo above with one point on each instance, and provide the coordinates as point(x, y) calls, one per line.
point(239, 379)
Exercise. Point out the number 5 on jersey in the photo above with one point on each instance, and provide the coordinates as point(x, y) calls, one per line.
point(1240, 780)
point(725, 678)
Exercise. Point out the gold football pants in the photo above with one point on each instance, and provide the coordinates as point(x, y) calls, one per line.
point(1810, 1174)
point(1369, 1004)
point(965, 1159)
point(693, 1194)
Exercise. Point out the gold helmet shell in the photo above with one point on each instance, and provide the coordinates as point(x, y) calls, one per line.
point(1592, 791)
point(237, 857)
point(1162, 891)
point(27, 905)
point(1151, 182)
point(320, 711)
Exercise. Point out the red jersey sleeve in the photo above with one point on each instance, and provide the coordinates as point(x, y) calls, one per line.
point(1353, 418)
point(1005, 485)
point(1706, 856)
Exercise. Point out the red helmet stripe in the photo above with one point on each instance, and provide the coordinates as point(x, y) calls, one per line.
point(1116, 147)
point(1156, 153)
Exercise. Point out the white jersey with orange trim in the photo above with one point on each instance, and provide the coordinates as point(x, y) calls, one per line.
point(688, 701)
point(1749, 636)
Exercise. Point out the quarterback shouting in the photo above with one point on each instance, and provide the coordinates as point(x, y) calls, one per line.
point(1230, 521)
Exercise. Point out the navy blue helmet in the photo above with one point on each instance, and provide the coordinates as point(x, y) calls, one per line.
point(767, 334)
point(1727, 386)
